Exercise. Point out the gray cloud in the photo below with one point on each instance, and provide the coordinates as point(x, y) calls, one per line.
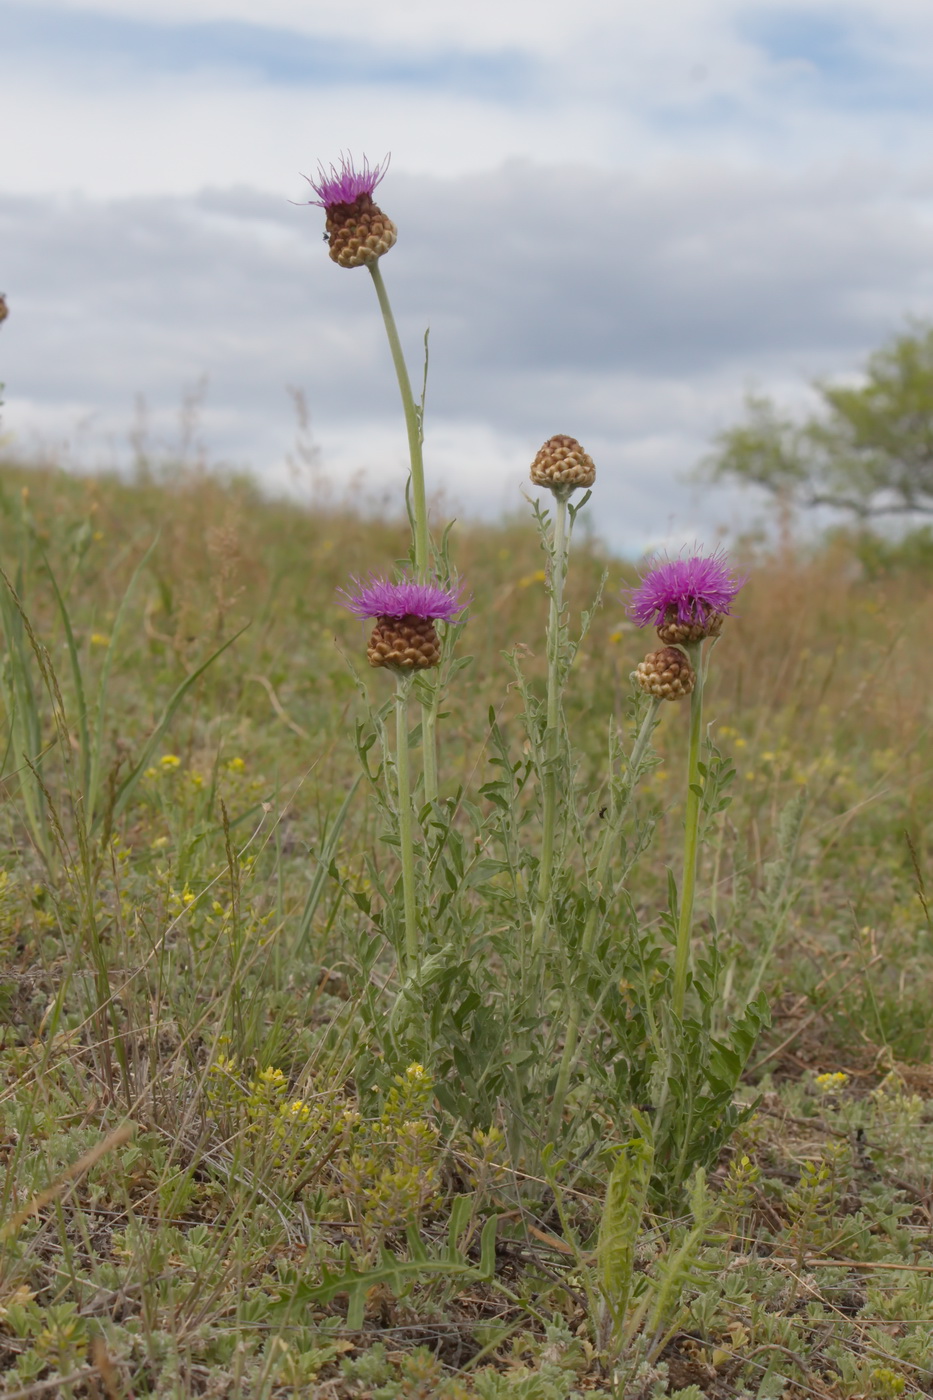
point(630, 309)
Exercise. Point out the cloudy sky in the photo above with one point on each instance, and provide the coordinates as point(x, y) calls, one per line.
point(616, 218)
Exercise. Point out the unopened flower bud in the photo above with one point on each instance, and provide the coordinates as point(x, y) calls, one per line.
point(562, 464)
point(4, 309)
point(666, 673)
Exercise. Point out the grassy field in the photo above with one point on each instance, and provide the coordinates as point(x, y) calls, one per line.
point(244, 1154)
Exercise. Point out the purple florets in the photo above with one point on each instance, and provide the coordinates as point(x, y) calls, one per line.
point(694, 588)
point(345, 185)
point(380, 597)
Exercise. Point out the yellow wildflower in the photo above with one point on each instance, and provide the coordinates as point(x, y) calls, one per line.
point(170, 760)
point(827, 1082)
point(100, 639)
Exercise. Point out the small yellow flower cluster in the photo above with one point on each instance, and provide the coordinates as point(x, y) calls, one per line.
point(392, 1174)
point(738, 1190)
point(485, 1154)
point(179, 900)
point(896, 1109)
point(887, 1383)
point(829, 1082)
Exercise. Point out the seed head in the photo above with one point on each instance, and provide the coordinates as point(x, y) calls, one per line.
point(686, 599)
point(562, 465)
point(357, 230)
point(666, 673)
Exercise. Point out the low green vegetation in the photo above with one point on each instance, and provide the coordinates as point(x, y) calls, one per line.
point(250, 1151)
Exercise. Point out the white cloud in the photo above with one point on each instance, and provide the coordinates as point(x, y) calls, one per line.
point(666, 204)
point(630, 311)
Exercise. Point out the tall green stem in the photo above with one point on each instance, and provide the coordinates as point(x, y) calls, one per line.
point(559, 546)
point(419, 507)
point(406, 844)
point(610, 837)
point(691, 833)
point(429, 746)
point(412, 423)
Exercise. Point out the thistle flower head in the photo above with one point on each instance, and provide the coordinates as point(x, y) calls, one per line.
point(357, 231)
point(345, 185)
point(689, 591)
point(381, 597)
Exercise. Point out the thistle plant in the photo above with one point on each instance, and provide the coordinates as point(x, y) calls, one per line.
point(359, 234)
point(563, 467)
point(686, 599)
point(404, 640)
point(578, 981)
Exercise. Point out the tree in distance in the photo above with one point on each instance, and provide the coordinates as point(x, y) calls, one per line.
point(867, 450)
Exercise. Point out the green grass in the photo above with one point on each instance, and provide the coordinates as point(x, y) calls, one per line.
point(198, 905)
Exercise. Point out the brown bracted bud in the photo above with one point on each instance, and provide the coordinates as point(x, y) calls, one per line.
point(4, 309)
point(359, 233)
point(404, 643)
point(562, 464)
point(672, 631)
point(666, 673)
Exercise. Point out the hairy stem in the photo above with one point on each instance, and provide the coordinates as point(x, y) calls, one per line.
point(559, 549)
point(691, 833)
point(413, 424)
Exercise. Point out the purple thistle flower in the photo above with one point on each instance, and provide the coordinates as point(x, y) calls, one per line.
point(685, 590)
point(380, 597)
point(345, 185)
